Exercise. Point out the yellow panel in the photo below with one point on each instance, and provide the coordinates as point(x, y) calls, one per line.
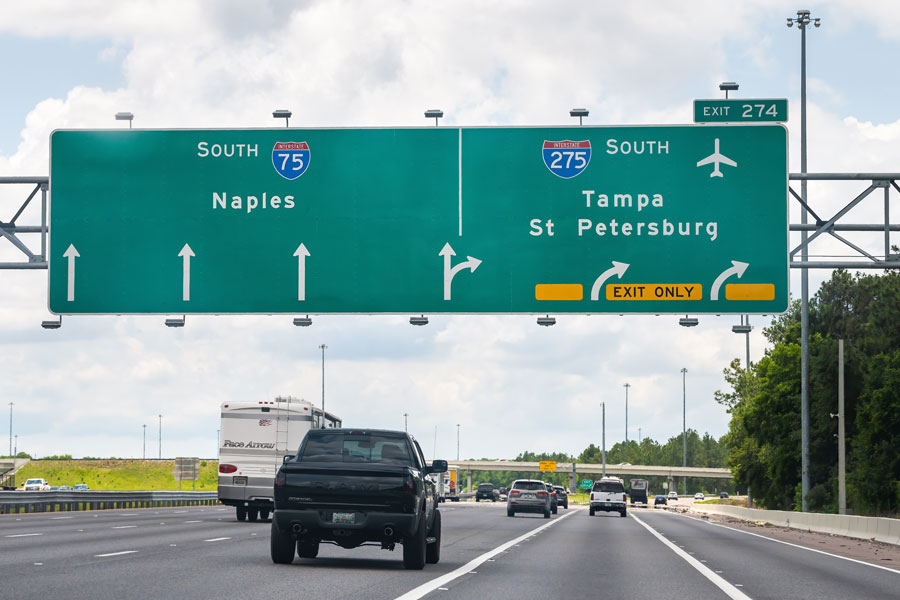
point(547, 465)
point(654, 291)
point(558, 291)
point(749, 291)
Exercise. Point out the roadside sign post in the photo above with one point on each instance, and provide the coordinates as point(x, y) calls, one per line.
point(584, 220)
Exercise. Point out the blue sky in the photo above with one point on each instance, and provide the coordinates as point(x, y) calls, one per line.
point(513, 386)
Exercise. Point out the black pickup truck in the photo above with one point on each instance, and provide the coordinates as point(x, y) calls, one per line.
point(354, 487)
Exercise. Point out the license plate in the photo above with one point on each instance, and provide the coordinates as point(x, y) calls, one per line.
point(343, 518)
point(528, 495)
point(242, 480)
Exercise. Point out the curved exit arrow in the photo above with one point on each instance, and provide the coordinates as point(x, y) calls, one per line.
point(450, 272)
point(618, 268)
point(738, 269)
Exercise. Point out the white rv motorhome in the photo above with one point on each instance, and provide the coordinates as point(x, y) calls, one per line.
point(254, 438)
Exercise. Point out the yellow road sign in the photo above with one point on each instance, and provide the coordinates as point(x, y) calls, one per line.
point(548, 465)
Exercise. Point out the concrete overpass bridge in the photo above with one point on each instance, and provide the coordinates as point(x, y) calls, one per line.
point(593, 469)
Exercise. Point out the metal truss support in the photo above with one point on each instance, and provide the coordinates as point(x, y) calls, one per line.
point(10, 230)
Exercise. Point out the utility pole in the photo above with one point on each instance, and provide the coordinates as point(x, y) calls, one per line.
point(323, 347)
point(457, 441)
point(145, 441)
point(160, 437)
point(842, 465)
point(627, 385)
point(684, 427)
point(405, 422)
point(11, 404)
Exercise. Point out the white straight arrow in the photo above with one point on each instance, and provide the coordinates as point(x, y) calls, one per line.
point(618, 268)
point(71, 253)
point(738, 269)
point(450, 272)
point(301, 253)
point(186, 253)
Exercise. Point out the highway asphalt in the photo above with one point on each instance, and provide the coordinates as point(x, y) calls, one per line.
point(202, 552)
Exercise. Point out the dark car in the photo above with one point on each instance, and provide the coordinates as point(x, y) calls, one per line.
point(485, 491)
point(554, 499)
point(562, 498)
point(659, 499)
point(503, 493)
point(723, 494)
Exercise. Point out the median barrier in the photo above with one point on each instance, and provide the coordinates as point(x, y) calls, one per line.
point(64, 501)
point(880, 529)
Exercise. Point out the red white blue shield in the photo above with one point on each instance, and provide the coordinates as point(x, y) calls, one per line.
point(290, 159)
point(566, 158)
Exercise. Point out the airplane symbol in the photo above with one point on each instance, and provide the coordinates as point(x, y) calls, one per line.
point(716, 158)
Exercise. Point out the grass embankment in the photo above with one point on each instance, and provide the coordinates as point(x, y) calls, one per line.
point(118, 475)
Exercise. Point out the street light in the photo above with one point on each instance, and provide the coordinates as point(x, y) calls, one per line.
point(323, 347)
point(684, 426)
point(282, 114)
point(457, 441)
point(603, 439)
point(547, 321)
point(419, 321)
point(803, 21)
point(11, 404)
point(52, 324)
point(125, 116)
point(160, 437)
point(434, 114)
point(175, 322)
point(728, 86)
point(405, 421)
point(580, 113)
point(303, 321)
point(687, 321)
point(627, 385)
point(145, 441)
point(745, 329)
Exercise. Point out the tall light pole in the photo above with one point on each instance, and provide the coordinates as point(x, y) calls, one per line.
point(457, 441)
point(603, 442)
point(684, 426)
point(627, 385)
point(11, 404)
point(803, 21)
point(160, 437)
point(323, 347)
point(145, 441)
point(405, 422)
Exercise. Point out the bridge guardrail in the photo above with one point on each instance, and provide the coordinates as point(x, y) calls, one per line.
point(64, 501)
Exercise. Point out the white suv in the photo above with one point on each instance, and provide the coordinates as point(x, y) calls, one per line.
point(608, 494)
point(36, 485)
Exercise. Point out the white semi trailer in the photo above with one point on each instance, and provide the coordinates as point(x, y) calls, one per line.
point(254, 438)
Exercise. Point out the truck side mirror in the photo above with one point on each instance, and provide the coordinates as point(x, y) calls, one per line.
point(287, 458)
point(438, 466)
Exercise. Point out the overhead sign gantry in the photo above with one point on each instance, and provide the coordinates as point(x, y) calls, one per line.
point(589, 220)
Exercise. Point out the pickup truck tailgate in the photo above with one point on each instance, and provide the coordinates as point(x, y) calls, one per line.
point(361, 488)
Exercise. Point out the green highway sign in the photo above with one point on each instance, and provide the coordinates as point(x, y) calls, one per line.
point(741, 111)
point(587, 220)
point(586, 484)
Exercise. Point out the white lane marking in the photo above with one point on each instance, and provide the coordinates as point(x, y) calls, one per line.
point(434, 584)
point(860, 562)
point(193, 521)
point(38, 564)
point(730, 590)
point(217, 539)
point(127, 515)
point(58, 518)
point(23, 535)
point(115, 553)
point(124, 526)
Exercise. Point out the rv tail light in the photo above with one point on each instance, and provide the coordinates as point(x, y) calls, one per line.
point(227, 468)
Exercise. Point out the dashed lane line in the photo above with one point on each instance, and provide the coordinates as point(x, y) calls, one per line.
point(730, 590)
point(217, 539)
point(23, 535)
point(115, 553)
point(469, 567)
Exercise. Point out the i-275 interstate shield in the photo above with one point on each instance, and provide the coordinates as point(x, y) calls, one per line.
point(656, 219)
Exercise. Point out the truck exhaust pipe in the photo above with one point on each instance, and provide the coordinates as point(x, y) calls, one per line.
point(388, 532)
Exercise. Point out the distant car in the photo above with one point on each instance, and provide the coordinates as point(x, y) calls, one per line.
point(80, 487)
point(528, 495)
point(36, 485)
point(64, 488)
point(554, 499)
point(503, 493)
point(54, 488)
point(562, 498)
point(673, 495)
point(723, 494)
point(485, 491)
point(659, 499)
point(699, 496)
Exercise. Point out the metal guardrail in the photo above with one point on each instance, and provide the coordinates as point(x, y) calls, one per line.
point(64, 501)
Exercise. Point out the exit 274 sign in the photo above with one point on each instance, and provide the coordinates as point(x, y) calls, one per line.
point(662, 219)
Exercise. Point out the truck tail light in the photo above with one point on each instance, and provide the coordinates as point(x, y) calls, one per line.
point(409, 486)
point(227, 468)
point(279, 480)
point(592, 496)
point(624, 497)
